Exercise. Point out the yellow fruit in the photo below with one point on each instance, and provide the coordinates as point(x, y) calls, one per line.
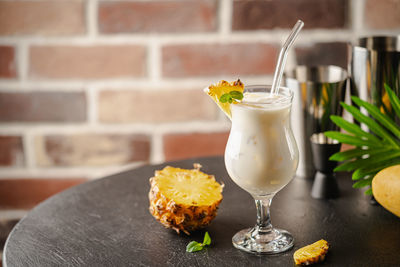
point(312, 253)
point(184, 200)
point(215, 91)
point(386, 189)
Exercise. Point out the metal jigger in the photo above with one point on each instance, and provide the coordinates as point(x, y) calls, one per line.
point(325, 184)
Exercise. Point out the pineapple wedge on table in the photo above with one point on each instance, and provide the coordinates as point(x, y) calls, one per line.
point(184, 200)
point(312, 253)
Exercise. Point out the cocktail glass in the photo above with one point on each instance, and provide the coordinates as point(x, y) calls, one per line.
point(261, 157)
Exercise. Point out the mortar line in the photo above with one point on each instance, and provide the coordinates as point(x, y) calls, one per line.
point(134, 84)
point(92, 105)
point(91, 19)
point(154, 61)
point(140, 128)
point(22, 61)
point(25, 86)
point(357, 15)
point(172, 38)
point(67, 171)
point(12, 214)
point(157, 151)
point(29, 150)
point(240, 37)
point(225, 17)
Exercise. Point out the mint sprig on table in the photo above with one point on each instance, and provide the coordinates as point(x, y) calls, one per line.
point(374, 150)
point(228, 97)
point(196, 246)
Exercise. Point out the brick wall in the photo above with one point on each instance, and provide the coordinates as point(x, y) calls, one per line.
point(92, 87)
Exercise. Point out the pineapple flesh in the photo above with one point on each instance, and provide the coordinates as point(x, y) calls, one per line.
point(184, 200)
point(312, 253)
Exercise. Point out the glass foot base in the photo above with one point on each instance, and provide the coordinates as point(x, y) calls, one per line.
point(272, 242)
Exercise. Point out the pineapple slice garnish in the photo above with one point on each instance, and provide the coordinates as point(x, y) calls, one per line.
point(312, 253)
point(184, 200)
point(215, 91)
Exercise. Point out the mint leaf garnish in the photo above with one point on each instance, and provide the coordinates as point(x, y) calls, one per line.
point(194, 246)
point(228, 97)
point(236, 95)
point(207, 239)
point(225, 98)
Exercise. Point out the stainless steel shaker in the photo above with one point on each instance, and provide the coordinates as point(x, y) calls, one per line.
point(373, 62)
point(317, 93)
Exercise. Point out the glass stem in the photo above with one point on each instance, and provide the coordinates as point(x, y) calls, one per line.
point(263, 216)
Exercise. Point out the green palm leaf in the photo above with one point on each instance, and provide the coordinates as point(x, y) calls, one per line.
point(356, 153)
point(353, 128)
point(369, 191)
point(372, 125)
point(393, 100)
point(363, 182)
point(373, 169)
point(374, 150)
point(384, 119)
point(372, 160)
point(350, 139)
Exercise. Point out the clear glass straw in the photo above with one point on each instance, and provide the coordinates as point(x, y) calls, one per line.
point(280, 66)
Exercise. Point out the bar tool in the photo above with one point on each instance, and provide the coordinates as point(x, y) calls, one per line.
point(318, 91)
point(325, 183)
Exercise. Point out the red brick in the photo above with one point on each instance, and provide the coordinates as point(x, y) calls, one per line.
point(91, 149)
point(218, 59)
point(11, 151)
point(25, 193)
point(157, 16)
point(87, 62)
point(182, 146)
point(155, 106)
point(323, 54)
point(254, 14)
point(7, 62)
point(42, 17)
point(382, 14)
point(43, 107)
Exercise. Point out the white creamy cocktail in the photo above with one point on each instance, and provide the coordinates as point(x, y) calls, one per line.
point(261, 157)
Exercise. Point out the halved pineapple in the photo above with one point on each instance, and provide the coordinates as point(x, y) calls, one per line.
point(312, 253)
point(184, 200)
point(215, 91)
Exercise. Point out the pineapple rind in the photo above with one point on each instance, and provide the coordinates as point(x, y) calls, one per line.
point(310, 254)
point(177, 215)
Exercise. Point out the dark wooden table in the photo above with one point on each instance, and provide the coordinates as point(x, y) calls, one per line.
point(106, 223)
